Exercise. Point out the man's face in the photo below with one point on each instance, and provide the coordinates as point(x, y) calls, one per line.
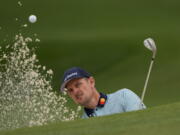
point(81, 90)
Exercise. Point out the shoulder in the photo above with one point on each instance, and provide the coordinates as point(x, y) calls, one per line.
point(119, 95)
point(121, 92)
point(84, 116)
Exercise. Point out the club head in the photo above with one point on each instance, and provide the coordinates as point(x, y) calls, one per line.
point(150, 44)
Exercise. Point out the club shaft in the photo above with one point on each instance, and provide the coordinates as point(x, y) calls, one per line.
point(147, 78)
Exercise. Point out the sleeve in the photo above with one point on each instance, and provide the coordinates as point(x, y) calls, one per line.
point(132, 102)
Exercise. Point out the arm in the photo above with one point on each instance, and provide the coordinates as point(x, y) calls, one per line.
point(132, 102)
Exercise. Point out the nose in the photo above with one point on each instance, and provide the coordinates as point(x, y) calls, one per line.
point(76, 90)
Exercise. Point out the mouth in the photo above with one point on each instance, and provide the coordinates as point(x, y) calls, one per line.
point(79, 96)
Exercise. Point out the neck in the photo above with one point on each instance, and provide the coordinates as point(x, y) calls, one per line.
point(94, 101)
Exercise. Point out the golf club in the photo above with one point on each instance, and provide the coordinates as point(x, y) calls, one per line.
point(150, 44)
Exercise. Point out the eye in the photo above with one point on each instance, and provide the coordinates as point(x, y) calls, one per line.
point(77, 85)
point(70, 90)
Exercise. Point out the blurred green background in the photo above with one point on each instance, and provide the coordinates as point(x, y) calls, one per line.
point(105, 37)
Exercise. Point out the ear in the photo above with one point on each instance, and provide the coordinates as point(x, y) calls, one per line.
point(92, 81)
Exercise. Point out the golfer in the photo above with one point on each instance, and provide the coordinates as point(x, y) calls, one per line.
point(80, 86)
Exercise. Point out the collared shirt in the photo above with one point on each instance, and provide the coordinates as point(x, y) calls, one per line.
point(123, 100)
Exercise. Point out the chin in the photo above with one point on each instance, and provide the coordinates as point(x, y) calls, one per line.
point(81, 102)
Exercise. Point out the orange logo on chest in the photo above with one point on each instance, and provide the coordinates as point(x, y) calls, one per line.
point(102, 101)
